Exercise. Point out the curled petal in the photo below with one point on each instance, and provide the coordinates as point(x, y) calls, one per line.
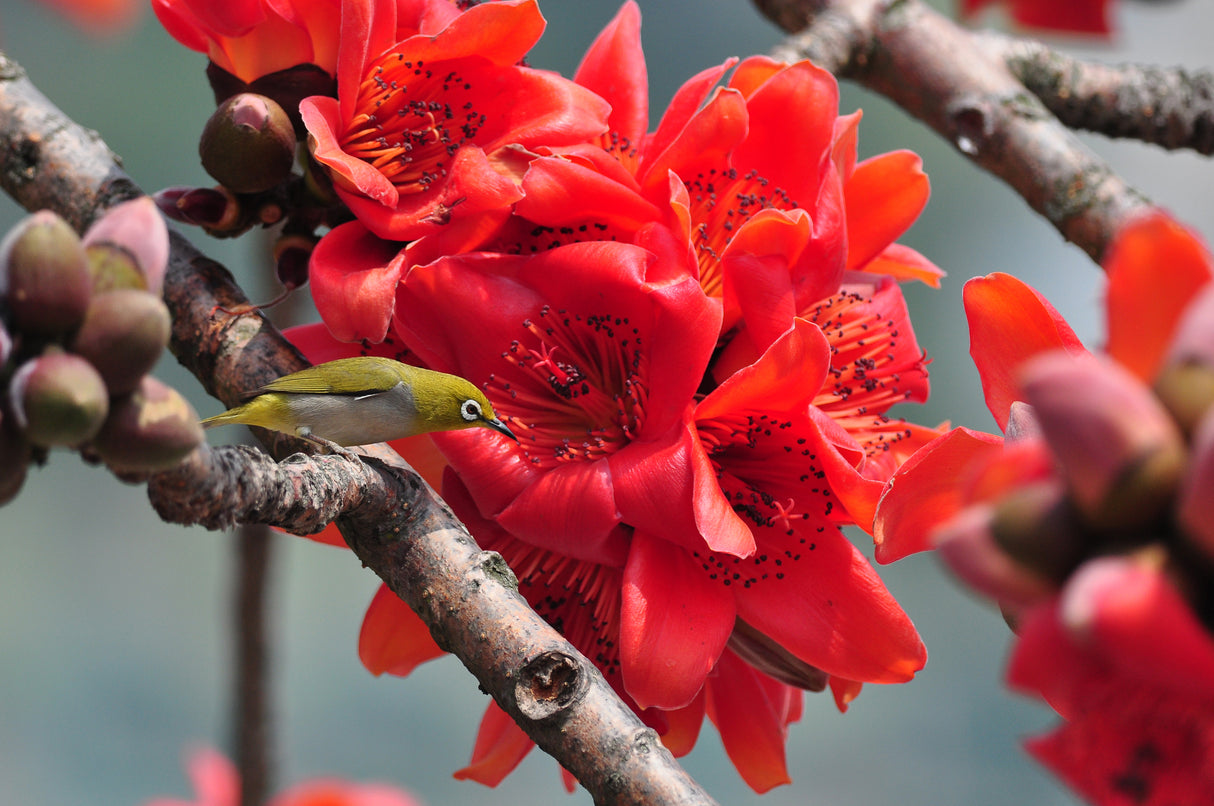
point(884, 197)
point(751, 711)
point(614, 69)
point(353, 277)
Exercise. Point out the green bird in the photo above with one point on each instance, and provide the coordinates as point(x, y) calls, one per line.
point(364, 400)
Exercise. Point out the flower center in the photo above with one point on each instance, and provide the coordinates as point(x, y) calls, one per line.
point(722, 201)
point(576, 389)
point(622, 148)
point(410, 119)
point(868, 373)
point(580, 599)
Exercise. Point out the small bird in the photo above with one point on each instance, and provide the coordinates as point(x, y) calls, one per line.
point(364, 400)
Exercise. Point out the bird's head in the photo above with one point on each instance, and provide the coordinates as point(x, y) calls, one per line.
point(450, 403)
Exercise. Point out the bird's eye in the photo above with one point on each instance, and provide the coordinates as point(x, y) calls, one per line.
point(470, 410)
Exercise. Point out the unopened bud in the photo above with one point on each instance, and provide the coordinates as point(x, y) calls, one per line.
point(1038, 528)
point(151, 429)
point(58, 399)
point(968, 547)
point(1196, 505)
point(123, 334)
point(44, 277)
point(766, 655)
point(1119, 449)
point(14, 460)
point(128, 247)
point(1186, 382)
point(248, 145)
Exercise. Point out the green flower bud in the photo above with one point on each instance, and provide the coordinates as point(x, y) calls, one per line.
point(248, 145)
point(151, 429)
point(58, 399)
point(44, 277)
point(123, 334)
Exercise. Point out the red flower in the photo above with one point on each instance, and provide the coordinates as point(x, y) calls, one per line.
point(253, 38)
point(1072, 16)
point(1085, 521)
point(217, 783)
point(423, 129)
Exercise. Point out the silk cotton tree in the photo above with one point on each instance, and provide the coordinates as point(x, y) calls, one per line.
point(701, 325)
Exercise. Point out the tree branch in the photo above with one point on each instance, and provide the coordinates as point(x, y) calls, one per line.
point(950, 79)
point(393, 521)
point(1169, 107)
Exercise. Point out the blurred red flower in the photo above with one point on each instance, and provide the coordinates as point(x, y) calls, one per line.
point(1071, 16)
point(217, 783)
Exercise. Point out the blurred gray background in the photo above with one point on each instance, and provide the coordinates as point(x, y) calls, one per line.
point(114, 649)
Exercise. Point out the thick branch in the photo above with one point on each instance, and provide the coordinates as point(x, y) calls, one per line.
point(1169, 107)
point(396, 525)
point(948, 78)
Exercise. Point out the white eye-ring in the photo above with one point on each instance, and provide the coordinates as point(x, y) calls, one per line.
point(470, 410)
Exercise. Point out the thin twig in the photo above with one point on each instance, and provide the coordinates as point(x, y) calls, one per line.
point(399, 528)
point(946, 77)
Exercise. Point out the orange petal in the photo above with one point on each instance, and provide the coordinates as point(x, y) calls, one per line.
point(884, 197)
point(1010, 323)
point(393, 639)
point(924, 492)
point(1155, 267)
point(500, 746)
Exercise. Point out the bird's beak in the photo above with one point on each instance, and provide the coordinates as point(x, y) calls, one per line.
point(500, 427)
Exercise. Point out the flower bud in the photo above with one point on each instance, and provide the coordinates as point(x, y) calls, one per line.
point(292, 254)
point(123, 334)
point(248, 145)
point(151, 429)
point(128, 247)
point(1120, 451)
point(217, 210)
point(58, 399)
point(1195, 510)
point(766, 655)
point(1186, 382)
point(1038, 528)
point(44, 276)
point(14, 460)
point(967, 546)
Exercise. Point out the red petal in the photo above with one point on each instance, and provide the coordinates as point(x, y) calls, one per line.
point(1156, 267)
point(674, 622)
point(750, 711)
point(683, 106)
point(925, 492)
point(614, 68)
point(757, 266)
point(844, 691)
point(562, 192)
point(824, 603)
point(1077, 16)
point(799, 105)
point(1010, 323)
point(500, 746)
point(785, 378)
point(683, 726)
point(393, 639)
point(884, 197)
point(669, 487)
point(353, 277)
point(706, 139)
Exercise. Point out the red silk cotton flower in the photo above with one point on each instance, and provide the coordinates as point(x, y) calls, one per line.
point(1090, 524)
point(425, 130)
point(1071, 16)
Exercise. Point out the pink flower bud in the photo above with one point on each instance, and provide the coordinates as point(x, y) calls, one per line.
point(1196, 505)
point(968, 547)
point(123, 334)
point(130, 237)
point(1119, 450)
point(151, 429)
point(58, 399)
